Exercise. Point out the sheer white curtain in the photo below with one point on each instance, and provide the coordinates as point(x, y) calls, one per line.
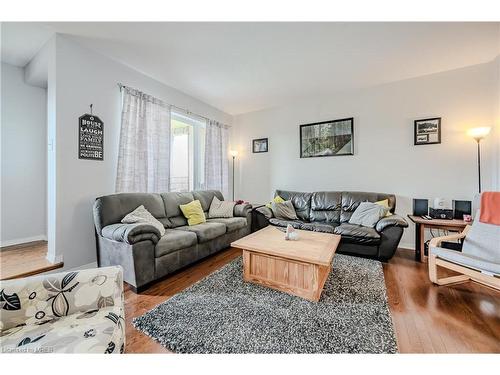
point(144, 153)
point(216, 157)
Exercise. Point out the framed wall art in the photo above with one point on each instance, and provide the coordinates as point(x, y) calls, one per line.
point(327, 138)
point(260, 145)
point(427, 131)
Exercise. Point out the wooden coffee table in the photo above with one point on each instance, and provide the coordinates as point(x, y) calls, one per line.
point(295, 267)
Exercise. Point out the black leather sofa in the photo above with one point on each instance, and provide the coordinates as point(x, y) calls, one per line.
point(330, 211)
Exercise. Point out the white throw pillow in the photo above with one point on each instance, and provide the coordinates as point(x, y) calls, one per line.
point(367, 214)
point(141, 215)
point(220, 209)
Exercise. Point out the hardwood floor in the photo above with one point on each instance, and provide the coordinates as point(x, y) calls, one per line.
point(25, 260)
point(427, 318)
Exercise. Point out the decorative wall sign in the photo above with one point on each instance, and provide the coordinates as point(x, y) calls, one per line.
point(427, 131)
point(327, 138)
point(260, 145)
point(90, 137)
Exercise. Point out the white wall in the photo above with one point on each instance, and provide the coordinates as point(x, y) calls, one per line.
point(385, 158)
point(83, 77)
point(23, 167)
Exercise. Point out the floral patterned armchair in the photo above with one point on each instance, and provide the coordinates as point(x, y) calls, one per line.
point(69, 312)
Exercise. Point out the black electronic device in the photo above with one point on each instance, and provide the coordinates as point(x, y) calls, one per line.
point(420, 207)
point(461, 208)
point(440, 213)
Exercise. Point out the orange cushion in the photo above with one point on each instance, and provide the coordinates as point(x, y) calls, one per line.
point(490, 208)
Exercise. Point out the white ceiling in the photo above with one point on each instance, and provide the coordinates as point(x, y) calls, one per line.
point(242, 67)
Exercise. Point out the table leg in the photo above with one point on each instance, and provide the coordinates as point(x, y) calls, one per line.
point(417, 241)
point(422, 243)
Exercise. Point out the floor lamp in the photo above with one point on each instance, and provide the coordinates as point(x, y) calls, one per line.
point(234, 153)
point(478, 134)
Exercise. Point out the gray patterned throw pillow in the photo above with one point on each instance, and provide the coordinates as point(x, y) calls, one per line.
point(141, 215)
point(368, 214)
point(284, 210)
point(220, 209)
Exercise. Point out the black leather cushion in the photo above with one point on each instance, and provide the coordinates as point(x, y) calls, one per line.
point(297, 224)
point(388, 221)
point(301, 202)
point(325, 206)
point(351, 201)
point(357, 234)
point(319, 227)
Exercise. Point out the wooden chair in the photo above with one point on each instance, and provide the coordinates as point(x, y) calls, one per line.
point(478, 261)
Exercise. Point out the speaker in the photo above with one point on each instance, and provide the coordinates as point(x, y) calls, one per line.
point(420, 207)
point(461, 208)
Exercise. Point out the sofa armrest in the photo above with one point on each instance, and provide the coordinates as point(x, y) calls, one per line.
point(38, 299)
point(242, 210)
point(266, 211)
point(390, 221)
point(131, 233)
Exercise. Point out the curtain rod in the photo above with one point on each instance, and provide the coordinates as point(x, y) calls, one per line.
point(187, 111)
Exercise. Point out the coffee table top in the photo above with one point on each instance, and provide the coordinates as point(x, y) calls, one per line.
point(311, 247)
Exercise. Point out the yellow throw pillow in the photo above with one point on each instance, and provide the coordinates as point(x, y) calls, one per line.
point(193, 212)
point(277, 199)
point(385, 203)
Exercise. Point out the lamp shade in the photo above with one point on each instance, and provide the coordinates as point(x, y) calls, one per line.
point(233, 153)
point(478, 133)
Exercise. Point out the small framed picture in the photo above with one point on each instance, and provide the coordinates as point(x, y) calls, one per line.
point(260, 145)
point(427, 131)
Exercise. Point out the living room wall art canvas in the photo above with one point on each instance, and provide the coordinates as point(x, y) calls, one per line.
point(427, 131)
point(327, 138)
point(260, 145)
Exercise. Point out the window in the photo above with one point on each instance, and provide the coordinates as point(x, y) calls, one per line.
point(187, 161)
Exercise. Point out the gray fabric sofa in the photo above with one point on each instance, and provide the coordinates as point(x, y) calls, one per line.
point(145, 255)
point(330, 211)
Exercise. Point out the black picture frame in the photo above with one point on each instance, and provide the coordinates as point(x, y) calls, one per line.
point(256, 142)
point(426, 136)
point(305, 154)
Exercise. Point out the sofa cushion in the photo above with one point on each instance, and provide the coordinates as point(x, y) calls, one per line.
point(467, 260)
point(297, 224)
point(206, 196)
point(206, 231)
point(111, 209)
point(319, 227)
point(367, 214)
point(284, 210)
point(351, 201)
point(221, 209)
point(301, 202)
point(232, 224)
point(174, 240)
point(357, 234)
point(193, 212)
point(325, 206)
point(143, 216)
point(95, 331)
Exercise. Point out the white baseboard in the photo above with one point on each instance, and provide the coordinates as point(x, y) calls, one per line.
point(41, 237)
point(406, 245)
point(53, 259)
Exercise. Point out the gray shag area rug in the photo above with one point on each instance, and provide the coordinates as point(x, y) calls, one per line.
point(224, 314)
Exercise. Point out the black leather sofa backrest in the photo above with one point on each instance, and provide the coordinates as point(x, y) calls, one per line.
point(352, 199)
point(301, 202)
point(111, 209)
point(325, 206)
point(331, 206)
